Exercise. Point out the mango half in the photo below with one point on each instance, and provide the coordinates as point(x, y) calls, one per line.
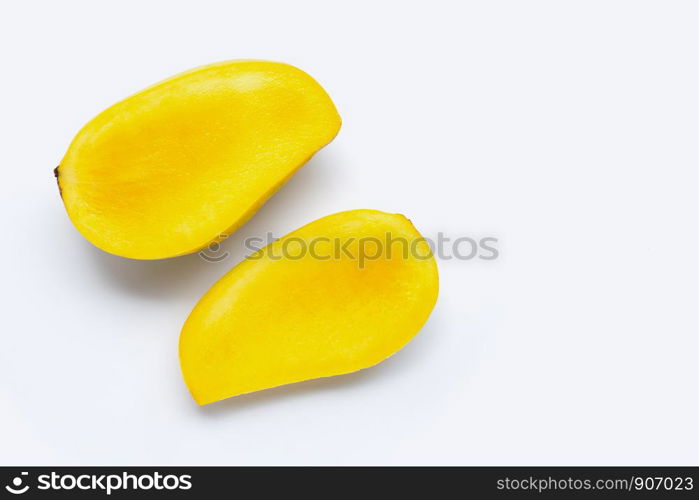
point(337, 295)
point(183, 163)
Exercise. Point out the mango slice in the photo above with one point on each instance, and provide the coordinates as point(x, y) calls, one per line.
point(184, 162)
point(337, 295)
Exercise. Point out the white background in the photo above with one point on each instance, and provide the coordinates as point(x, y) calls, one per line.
point(569, 130)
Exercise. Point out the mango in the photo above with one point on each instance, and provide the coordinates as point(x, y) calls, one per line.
point(187, 161)
point(335, 296)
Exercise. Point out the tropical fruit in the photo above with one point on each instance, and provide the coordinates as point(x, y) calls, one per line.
point(337, 295)
point(179, 165)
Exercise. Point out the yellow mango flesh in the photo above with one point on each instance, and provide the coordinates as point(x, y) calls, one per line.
point(286, 315)
point(174, 167)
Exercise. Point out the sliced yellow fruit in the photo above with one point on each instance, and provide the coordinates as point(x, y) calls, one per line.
point(337, 295)
point(174, 167)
